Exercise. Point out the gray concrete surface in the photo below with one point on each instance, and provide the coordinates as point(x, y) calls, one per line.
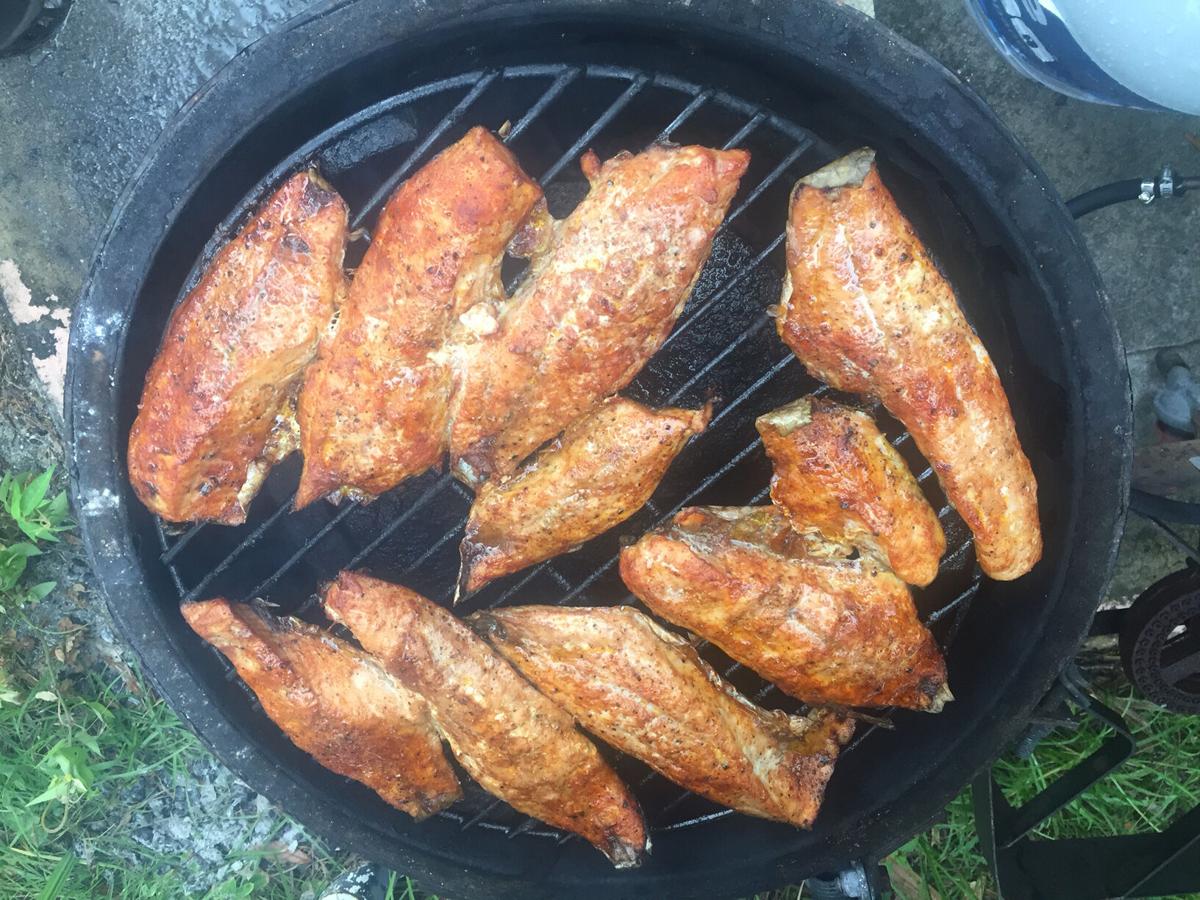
point(79, 113)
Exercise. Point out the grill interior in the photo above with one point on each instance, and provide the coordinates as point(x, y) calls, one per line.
point(724, 347)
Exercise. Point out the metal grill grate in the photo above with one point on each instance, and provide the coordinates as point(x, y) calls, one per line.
point(410, 534)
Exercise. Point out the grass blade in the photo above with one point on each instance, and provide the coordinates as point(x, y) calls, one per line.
point(58, 878)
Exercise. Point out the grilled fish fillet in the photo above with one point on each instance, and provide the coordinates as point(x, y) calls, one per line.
point(838, 476)
point(233, 355)
point(825, 628)
point(648, 693)
point(335, 703)
point(866, 310)
point(374, 407)
point(517, 744)
point(601, 297)
point(599, 473)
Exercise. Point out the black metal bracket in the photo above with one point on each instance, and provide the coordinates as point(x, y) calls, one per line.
point(1025, 868)
point(1160, 511)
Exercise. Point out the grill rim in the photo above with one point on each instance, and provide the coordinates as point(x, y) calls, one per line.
point(873, 63)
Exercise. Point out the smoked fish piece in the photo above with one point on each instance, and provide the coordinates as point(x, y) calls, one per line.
point(866, 310)
point(515, 742)
point(334, 702)
point(824, 627)
point(649, 694)
point(599, 473)
point(604, 289)
point(374, 407)
point(215, 412)
point(838, 476)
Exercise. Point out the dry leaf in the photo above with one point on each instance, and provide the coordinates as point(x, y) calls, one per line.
point(285, 853)
point(110, 655)
point(908, 884)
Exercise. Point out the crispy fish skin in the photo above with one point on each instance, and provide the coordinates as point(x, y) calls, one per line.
point(233, 356)
point(599, 473)
point(648, 693)
point(517, 744)
point(866, 310)
point(601, 297)
point(824, 628)
point(837, 475)
point(374, 407)
point(335, 703)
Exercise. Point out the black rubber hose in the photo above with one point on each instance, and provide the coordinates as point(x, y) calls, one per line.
point(1118, 192)
point(1107, 195)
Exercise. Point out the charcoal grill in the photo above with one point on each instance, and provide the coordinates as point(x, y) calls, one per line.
point(369, 90)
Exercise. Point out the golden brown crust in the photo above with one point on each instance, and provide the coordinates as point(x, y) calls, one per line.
point(648, 693)
point(335, 703)
point(837, 475)
point(233, 356)
point(866, 310)
point(517, 744)
point(374, 407)
point(825, 628)
point(600, 299)
point(599, 473)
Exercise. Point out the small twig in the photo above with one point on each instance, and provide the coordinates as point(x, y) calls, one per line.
point(877, 721)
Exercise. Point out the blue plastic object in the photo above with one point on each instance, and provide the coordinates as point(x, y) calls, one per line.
point(1143, 54)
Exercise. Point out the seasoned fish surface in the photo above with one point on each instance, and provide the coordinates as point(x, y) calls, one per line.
point(517, 744)
point(601, 297)
point(866, 310)
point(602, 470)
point(374, 407)
point(825, 628)
point(648, 693)
point(837, 475)
point(233, 355)
point(335, 703)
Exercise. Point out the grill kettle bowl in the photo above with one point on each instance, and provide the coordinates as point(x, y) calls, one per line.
point(991, 220)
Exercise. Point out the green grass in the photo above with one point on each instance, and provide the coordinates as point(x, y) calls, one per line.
point(1160, 782)
point(120, 756)
point(30, 519)
point(95, 771)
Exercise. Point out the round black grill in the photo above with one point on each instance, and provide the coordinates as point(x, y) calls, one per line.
point(724, 346)
point(369, 91)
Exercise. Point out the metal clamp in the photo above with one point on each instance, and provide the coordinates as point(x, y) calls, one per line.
point(1162, 186)
point(1166, 183)
point(857, 882)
